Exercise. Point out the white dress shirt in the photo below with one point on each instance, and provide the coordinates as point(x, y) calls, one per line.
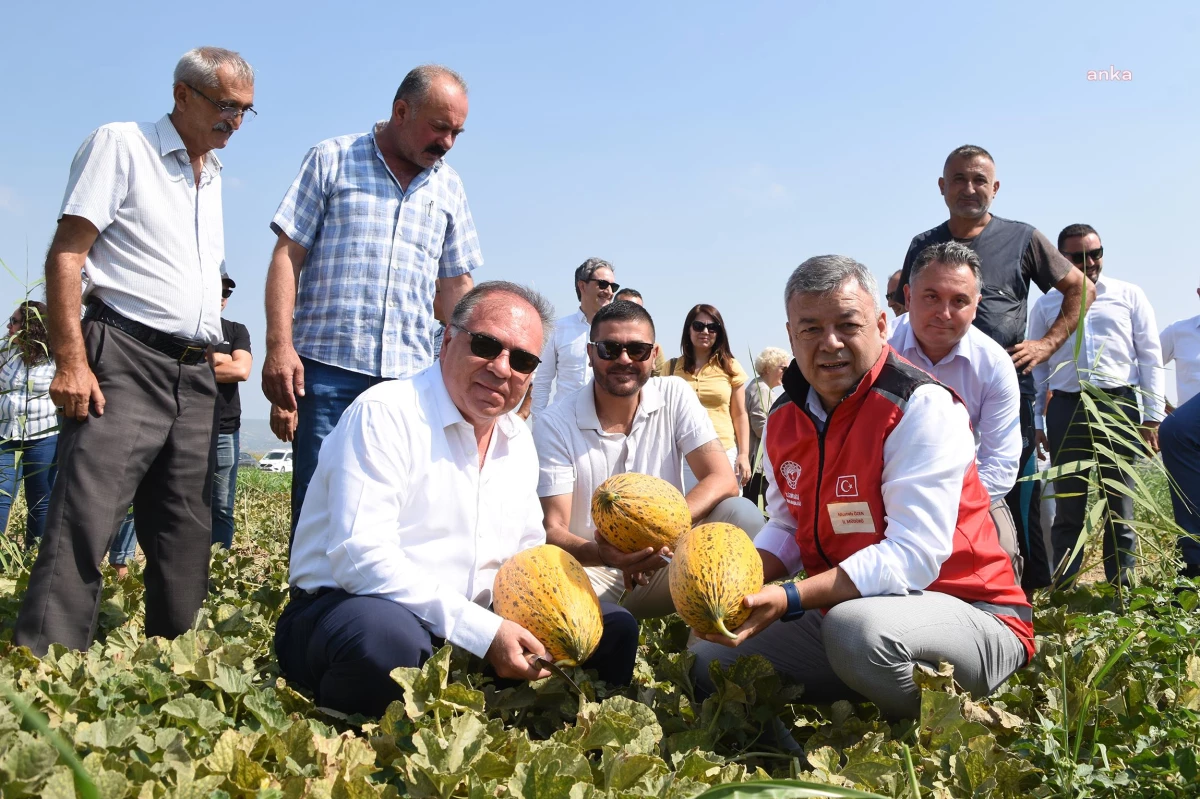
point(924, 460)
point(982, 374)
point(161, 250)
point(564, 359)
point(1181, 343)
point(1120, 347)
point(399, 508)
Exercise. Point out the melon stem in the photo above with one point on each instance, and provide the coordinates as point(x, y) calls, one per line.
point(722, 630)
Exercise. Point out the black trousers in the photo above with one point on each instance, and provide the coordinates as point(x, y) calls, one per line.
point(1073, 436)
point(154, 448)
point(1024, 501)
point(343, 647)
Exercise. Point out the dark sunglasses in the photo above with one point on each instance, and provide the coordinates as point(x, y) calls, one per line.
point(488, 348)
point(1077, 258)
point(226, 294)
point(611, 350)
point(15, 322)
point(605, 284)
point(700, 327)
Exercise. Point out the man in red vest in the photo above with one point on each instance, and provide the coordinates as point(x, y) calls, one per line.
point(874, 495)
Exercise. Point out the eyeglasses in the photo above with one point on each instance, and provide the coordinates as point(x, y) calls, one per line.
point(13, 321)
point(229, 112)
point(1077, 258)
point(488, 348)
point(226, 293)
point(700, 327)
point(611, 350)
point(605, 284)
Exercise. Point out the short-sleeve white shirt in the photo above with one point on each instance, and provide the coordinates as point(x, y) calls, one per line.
point(400, 508)
point(576, 455)
point(161, 250)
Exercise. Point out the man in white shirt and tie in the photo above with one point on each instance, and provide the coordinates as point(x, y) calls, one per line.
point(944, 287)
point(565, 366)
point(425, 486)
point(1120, 355)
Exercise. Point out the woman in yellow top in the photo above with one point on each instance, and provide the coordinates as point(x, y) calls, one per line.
point(714, 374)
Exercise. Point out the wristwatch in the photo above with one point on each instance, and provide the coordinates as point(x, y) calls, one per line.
point(794, 609)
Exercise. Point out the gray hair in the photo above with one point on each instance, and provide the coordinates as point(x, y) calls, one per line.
point(825, 274)
point(415, 86)
point(199, 67)
point(471, 300)
point(950, 253)
point(585, 271)
point(770, 358)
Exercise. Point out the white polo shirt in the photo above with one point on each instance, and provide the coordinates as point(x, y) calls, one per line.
point(399, 508)
point(161, 250)
point(576, 455)
point(1181, 344)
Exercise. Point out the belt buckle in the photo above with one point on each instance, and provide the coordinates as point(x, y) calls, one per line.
point(187, 350)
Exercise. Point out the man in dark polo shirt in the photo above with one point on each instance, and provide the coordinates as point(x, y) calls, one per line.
point(231, 364)
point(1012, 254)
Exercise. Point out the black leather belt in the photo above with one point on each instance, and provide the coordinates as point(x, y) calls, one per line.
point(183, 350)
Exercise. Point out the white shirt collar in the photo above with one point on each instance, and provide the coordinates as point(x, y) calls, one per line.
point(649, 401)
point(913, 344)
point(448, 413)
point(170, 141)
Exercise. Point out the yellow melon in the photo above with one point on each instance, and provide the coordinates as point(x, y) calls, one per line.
point(715, 567)
point(634, 511)
point(545, 590)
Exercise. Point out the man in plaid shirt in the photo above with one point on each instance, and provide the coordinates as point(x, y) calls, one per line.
point(371, 227)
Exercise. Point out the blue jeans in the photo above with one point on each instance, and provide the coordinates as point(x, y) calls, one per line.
point(124, 546)
point(37, 465)
point(225, 488)
point(1179, 437)
point(328, 391)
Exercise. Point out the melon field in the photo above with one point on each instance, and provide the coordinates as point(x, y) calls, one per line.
point(1109, 707)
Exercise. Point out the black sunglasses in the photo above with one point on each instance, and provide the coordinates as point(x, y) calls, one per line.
point(605, 284)
point(700, 327)
point(226, 293)
point(488, 348)
point(1077, 258)
point(611, 350)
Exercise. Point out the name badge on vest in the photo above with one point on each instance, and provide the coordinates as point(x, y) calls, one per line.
point(851, 517)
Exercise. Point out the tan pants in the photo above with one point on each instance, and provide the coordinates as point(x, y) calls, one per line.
point(654, 599)
point(1006, 531)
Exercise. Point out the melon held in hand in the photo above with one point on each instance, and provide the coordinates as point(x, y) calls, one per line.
point(715, 567)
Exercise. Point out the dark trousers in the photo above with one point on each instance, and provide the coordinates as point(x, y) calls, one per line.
point(1073, 437)
point(1179, 437)
point(1024, 502)
point(153, 447)
point(343, 647)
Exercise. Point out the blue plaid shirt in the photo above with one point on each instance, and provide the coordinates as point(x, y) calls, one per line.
point(365, 300)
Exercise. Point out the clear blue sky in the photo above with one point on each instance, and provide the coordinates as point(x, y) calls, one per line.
point(705, 149)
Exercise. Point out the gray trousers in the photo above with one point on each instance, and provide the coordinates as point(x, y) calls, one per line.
point(1071, 439)
point(153, 447)
point(867, 648)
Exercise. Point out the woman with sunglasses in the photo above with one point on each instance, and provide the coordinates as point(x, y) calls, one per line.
point(708, 366)
point(28, 421)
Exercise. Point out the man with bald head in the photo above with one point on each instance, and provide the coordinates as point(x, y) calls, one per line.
point(372, 225)
point(425, 486)
point(1011, 254)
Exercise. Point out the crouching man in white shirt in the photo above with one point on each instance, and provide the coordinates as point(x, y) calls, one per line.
point(423, 489)
point(623, 420)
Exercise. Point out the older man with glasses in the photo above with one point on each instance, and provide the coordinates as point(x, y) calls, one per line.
point(424, 488)
point(565, 365)
point(142, 217)
point(372, 225)
point(624, 420)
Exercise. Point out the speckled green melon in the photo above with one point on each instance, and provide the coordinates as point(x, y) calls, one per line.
point(715, 567)
point(546, 591)
point(634, 511)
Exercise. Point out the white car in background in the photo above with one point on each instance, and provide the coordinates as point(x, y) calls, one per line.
point(277, 460)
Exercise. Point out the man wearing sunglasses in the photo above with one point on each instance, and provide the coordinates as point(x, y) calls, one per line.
point(623, 420)
point(371, 225)
point(1120, 355)
point(565, 365)
point(425, 486)
point(142, 218)
point(1012, 255)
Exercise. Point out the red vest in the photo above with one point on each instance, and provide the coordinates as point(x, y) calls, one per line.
point(832, 482)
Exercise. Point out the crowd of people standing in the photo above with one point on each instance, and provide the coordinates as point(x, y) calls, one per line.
point(439, 426)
